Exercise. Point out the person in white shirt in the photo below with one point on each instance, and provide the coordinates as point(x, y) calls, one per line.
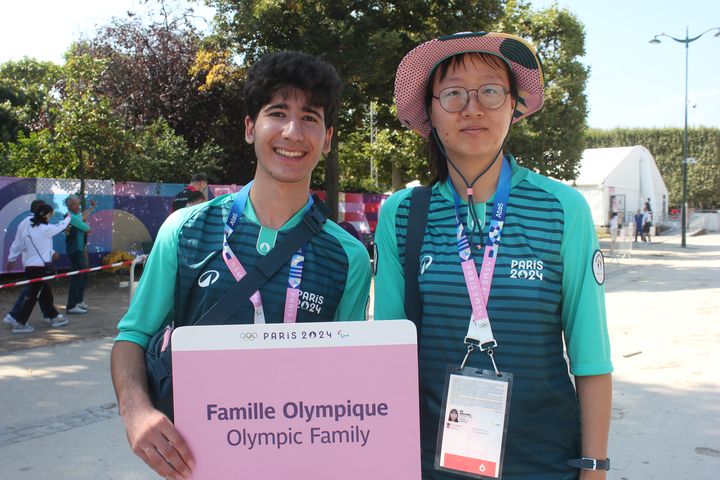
point(16, 250)
point(613, 231)
point(38, 251)
point(647, 221)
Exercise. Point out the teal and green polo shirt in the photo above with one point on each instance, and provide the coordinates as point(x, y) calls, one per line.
point(545, 287)
point(75, 239)
point(185, 274)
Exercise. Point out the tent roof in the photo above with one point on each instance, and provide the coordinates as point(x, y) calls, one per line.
point(596, 164)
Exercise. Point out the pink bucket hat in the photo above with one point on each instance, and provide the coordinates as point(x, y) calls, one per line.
point(417, 67)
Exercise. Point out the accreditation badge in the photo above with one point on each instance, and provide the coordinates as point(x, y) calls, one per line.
point(473, 422)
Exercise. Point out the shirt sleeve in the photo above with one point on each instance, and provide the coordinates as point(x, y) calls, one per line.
point(152, 305)
point(55, 228)
point(17, 244)
point(389, 276)
point(583, 292)
point(354, 301)
point(77, 222)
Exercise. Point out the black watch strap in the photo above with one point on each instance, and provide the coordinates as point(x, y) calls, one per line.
point(589, 463)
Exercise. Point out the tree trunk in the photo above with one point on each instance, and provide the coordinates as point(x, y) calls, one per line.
point(397, 177)
point(332, 175)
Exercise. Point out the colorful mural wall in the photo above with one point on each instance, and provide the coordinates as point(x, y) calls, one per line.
point(128, 215)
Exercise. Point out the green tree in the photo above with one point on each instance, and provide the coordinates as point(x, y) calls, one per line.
point(551, 141)
point(666, 145)
point(26, 96)
point(162, 68)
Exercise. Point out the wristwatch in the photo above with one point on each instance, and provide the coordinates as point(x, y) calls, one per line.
point(586, 463)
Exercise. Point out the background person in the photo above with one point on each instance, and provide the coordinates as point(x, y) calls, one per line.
point(17, 250)
point(613, 231)
point(76, 249)
point(292, 100)
point(639, 226)
point(38, 247)
point(463, 92)
point(198, 183)
point(647, 222)
point(195, 197)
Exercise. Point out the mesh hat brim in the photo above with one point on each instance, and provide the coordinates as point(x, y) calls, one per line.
point(414, 72)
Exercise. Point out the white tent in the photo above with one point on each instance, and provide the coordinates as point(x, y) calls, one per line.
point(621, 180)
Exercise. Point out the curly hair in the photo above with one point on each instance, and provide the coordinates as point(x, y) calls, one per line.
point(278, 71)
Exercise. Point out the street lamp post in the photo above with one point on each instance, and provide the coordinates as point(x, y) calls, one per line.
point(687, 41)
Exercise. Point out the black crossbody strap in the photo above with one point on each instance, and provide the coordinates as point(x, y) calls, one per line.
point(267, 266)
point(417, 218)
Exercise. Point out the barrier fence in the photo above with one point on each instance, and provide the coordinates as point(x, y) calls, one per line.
point(68, 274)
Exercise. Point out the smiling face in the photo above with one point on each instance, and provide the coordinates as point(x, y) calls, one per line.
point(474, 133)
point(289, 137)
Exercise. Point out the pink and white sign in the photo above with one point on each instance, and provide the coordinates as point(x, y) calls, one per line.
point(307, 400)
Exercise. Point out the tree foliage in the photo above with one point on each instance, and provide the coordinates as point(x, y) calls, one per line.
point(26, 96)
point(551, 141)
point(134, 102)
point(666, 145)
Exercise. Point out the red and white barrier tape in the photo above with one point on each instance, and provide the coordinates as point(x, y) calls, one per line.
point(66, 274)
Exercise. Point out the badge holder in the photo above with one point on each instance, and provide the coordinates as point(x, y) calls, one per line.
point(473, 419)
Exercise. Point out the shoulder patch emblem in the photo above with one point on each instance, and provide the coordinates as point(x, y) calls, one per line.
point(598, 267)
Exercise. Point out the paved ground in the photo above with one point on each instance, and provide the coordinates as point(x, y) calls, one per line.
point(59, 419)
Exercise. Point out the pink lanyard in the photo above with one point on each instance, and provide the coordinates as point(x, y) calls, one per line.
point(292, 296)
point(478, 287)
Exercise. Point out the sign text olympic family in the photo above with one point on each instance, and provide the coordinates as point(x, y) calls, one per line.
point(349, 410)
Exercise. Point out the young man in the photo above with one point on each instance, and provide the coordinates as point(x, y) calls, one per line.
point(292, 100)
point(198, 183)
point(76, 249)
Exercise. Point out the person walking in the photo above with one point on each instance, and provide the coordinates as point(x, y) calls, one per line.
point(511, 267)
point(647, 222)
point(613, 231)
point(17, 250)
point(39, 251)
point(76, 249)
point(639, 226)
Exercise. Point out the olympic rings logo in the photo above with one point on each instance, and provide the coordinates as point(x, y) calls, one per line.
point(248, 336)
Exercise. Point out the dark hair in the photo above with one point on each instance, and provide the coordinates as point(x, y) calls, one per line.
point(198, 177)
point(39, 214)
point(195, 196)
point(438, 163)
point(35, 204)
point(279, 71)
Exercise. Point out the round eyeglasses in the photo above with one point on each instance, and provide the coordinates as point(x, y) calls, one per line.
point(490, 96)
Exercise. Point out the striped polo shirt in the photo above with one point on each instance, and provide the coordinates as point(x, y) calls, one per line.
point(544, 287)
point(185, 274)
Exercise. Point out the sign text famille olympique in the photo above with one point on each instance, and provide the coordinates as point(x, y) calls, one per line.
point(291, 410)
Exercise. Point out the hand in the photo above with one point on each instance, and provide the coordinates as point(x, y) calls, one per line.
point(154, 439)
point(92, 203)
point(55, 256)
point(10, 266)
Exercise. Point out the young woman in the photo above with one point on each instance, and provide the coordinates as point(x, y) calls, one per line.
point(38, 248)
point(530, 244)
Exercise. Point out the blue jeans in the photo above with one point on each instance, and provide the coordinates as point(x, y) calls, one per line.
point(39, 292)
point(15, 312)
point(76, 293)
